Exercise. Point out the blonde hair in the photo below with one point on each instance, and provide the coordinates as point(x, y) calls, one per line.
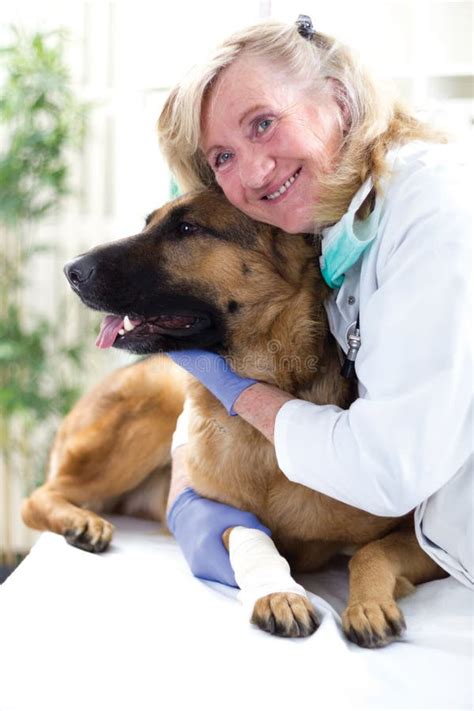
point(375, 120)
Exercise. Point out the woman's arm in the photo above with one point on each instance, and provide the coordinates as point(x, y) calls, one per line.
point(259, 405)
point(198, 525)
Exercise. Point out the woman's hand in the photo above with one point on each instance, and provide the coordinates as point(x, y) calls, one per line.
point(257, 403)
point(214, 373)
point(198, 525)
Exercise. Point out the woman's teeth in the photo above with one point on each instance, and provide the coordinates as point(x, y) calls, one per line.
point(284, 187)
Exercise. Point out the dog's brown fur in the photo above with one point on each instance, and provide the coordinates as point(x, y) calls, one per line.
point(112, 453)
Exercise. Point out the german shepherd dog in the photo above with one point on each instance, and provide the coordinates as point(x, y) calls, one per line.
point(203, 275)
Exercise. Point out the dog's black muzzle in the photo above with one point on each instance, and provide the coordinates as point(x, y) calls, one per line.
point(121, 279)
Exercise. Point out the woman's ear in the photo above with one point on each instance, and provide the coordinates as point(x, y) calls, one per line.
point(339, 94)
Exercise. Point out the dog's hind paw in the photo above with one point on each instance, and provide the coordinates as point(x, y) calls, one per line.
point(91, 533)
point(285, 615)
point(373, 624)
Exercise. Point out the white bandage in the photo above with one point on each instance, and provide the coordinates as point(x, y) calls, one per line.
point(259, 568)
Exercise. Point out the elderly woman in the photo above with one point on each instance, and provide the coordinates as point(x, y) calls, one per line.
point(296, 134)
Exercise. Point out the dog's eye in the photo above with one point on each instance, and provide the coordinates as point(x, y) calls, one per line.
point(185, 228)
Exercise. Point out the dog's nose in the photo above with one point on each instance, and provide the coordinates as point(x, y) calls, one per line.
point(79, 270)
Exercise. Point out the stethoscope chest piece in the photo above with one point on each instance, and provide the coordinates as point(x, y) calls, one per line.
point(353, 341)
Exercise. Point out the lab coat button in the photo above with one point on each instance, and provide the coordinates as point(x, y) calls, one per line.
point(351, 300)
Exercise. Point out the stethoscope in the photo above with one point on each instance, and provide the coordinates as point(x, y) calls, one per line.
point(353, 341)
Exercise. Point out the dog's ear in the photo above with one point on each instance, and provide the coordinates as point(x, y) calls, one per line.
point(155, 216)
point(149, 218)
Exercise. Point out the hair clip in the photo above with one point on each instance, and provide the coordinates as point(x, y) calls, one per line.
point(305, 28)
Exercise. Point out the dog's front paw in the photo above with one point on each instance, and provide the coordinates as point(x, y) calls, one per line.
point(373, 624)
point(89, 532)
point(285, 615)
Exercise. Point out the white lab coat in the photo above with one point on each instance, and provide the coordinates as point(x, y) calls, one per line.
point(407, 441)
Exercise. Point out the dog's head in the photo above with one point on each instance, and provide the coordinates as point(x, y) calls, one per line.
point(200, 275)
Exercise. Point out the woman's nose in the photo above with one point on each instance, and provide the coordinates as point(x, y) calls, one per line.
point(256, 170)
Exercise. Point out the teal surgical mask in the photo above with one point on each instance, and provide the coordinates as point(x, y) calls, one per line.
point(345, 242)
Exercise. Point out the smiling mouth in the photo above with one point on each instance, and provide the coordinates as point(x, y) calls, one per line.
point(283, 188)
point(121, 330)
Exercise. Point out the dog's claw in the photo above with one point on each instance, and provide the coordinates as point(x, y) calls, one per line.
point(285, 615)
point(373, 624)
point(92, 535)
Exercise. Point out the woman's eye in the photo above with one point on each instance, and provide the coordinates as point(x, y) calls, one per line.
point(263, 125)
point(222, 158)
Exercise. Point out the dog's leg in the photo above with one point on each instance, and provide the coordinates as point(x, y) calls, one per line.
point(48, 509)
point(279, 605)
point(110, 443)
point(380, 572)
point(91, 474)
point(97, 471)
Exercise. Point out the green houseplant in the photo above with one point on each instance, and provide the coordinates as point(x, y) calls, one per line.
point(42, 125)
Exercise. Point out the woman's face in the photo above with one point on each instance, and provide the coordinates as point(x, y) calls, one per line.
point(268, 142)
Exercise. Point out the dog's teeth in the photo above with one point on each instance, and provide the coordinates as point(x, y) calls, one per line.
point(127, 324)
point(121, 332)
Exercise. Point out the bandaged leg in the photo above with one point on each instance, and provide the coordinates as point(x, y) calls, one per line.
point(259, 569)
point(277, 603)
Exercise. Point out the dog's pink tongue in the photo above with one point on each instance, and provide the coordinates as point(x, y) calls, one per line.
point(109, 329)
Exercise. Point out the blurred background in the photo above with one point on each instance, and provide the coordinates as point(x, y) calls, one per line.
point(82, 83)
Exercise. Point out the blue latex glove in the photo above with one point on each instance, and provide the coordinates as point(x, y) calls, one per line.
point(214, 373)
point(198, 524)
